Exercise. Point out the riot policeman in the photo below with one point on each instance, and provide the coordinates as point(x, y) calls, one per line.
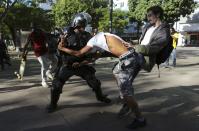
point(76, 38)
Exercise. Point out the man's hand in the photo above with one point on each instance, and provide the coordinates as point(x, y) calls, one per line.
point(128, 45)
point(62, 38)
point(62, 41)
point(61, 45)
point(76, 65)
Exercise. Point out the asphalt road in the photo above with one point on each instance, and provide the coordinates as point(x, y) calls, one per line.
point(170, 103)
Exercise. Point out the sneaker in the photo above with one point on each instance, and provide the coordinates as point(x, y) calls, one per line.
point(44, 84)
point(124, 111)
point(137, 123)
point(49, 75)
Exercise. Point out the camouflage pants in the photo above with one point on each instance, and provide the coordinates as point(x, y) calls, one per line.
point(126, 70)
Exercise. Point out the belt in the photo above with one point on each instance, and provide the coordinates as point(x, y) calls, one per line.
point(128, 54)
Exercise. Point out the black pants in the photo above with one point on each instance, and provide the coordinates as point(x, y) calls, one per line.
point(4, 58)
point(1, 61)
point(85, 72)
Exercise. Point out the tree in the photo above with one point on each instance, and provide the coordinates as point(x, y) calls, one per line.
point(64, 10)
point(132, 5)
point(120, 20)
point(5, 5)
point(17, 18)
point(173, 8)
point(96, 8)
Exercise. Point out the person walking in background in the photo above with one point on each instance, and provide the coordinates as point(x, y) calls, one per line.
point(4, 56)
point(38, 41)
point(175, 36)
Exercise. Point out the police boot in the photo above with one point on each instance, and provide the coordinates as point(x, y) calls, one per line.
point(100, 96)
point(53, 104)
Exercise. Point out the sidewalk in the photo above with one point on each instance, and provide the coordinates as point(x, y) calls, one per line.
point(170, 103)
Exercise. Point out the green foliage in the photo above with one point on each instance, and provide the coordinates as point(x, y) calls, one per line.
point(20, 16)
point(173, 8)
point(132, 5)
point(139, 10)
point(64, 10)
point(96, 8)
point(120, 20)
point(5, 30)
point(5, 5)
point(104, 20)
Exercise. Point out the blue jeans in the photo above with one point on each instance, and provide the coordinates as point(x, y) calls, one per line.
point(173, 58)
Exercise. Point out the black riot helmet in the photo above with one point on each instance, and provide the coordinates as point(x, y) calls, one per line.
point(81, 20)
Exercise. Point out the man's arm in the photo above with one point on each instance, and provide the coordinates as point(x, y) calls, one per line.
point(78, 53)
point(161, 39)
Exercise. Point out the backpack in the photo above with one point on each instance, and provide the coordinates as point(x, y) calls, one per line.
point(164, 54)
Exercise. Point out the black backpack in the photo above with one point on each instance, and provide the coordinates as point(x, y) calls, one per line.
point(164, 54)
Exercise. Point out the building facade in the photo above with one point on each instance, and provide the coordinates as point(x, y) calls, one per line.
point(188, 28)
point(121, 5)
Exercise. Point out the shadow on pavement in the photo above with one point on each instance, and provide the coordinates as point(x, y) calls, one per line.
point(184, 54)
point(17, 88)
point(29, 118)
point(32, 68)
point(50, 128)
point(188, 65)
point(174, 109)
point(85, 105)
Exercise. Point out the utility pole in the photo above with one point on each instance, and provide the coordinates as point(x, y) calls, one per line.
point(111, 15)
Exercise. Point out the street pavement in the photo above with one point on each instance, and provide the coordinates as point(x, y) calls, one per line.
point(170, 103)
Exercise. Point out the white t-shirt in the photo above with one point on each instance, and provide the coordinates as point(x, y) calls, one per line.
point(99, 40)
point(148, 35)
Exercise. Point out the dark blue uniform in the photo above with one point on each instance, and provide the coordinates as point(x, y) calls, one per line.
point(75, 41)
